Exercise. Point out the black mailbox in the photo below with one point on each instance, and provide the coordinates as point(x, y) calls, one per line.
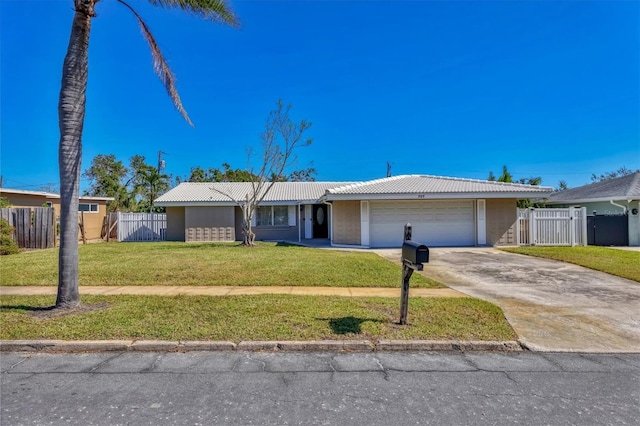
point(415, 253)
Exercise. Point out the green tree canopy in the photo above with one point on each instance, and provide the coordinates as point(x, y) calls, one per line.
point(146, 184)
point(108, 178)
point(504, 177)
point(228, 174)
point(622, 171)
point(508, 178)
point(4, 203)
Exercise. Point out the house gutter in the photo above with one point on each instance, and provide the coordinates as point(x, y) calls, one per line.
point(624, 208)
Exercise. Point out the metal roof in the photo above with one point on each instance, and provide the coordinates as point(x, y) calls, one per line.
point(228, 193)
point(397, 187)
point(435, 187)
point(622, 188)
point(48, 194)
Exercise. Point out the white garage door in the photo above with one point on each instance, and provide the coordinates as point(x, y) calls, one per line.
point(435, 223)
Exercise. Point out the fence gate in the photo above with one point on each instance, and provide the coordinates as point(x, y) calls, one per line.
point(608, 230)
point(141, 226)
point(33, 228)
point(552, 227)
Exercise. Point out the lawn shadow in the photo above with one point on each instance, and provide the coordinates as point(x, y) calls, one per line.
point(26, 308)
point(285, 244)
point(348, 325)
point(44, 312)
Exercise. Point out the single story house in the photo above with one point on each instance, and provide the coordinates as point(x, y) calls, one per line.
point(443, 211)
point(95, 208)
point(618, 199)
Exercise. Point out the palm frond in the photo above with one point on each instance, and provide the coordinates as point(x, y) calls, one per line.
point(160, 65)
point(215, 10)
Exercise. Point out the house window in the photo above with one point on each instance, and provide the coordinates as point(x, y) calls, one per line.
point(272, 216)
point(48, 204)
point(88, 207)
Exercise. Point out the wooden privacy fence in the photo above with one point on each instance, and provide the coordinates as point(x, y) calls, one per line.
point(552, 227)
point(141, 226)
point(34, 228)
point(109, 229)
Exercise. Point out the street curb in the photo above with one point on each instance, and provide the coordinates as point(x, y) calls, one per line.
point(65, 346)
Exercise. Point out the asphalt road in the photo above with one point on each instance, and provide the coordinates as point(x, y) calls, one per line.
point(242, 388)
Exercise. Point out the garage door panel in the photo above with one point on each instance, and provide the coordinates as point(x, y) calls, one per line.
point(435, 223)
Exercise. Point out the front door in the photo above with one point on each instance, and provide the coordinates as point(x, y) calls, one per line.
point(320, 221)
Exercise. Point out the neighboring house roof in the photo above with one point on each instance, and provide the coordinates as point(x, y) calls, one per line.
point(48, 194)
point(398, 187)
point(433, 187)
point(622, 188)
point(25, 192)
point(228, 193)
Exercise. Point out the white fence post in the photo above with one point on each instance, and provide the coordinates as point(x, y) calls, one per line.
point(518, 236)
point(120, 227)
point(583, 227)
point(572, 227)
point(533, 235)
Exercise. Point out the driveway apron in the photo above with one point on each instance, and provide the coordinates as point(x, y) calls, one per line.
point(553, 306)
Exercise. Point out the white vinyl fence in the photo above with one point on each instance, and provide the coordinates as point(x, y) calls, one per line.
point(552, 227)
point(142, 226)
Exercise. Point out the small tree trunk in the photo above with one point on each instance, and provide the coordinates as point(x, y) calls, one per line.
point(248, 237)
point(71, 109)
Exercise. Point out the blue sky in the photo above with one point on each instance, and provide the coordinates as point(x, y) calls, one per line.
point(452, 88)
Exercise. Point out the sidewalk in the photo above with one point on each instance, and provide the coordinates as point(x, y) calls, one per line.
point(232, 291)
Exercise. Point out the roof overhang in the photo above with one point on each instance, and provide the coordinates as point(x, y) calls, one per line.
point(49, 194)
point(592, 200)
point(97, 198)
point(27, 192)
point(442, 196)
point(229, 203)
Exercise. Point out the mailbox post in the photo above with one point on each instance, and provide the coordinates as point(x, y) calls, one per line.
point(413, 257)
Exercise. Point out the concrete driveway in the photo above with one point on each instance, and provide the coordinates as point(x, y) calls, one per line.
point(553, 306)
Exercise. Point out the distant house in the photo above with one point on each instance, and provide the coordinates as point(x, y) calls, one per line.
point(618, 199)
point(443, 211)
point(95, 208)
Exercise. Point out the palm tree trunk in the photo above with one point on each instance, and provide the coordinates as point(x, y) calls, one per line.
point(71, 108)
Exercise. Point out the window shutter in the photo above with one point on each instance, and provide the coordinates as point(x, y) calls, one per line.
point(253, 217)
point(292, 215)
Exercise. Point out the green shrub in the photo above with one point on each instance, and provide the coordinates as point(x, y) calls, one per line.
point(7, 245)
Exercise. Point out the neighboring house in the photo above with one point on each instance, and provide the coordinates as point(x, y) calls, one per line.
point(443, 211)
point(95, 208)
point(618, 199)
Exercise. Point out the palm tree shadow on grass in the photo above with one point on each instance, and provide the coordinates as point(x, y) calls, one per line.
point(52, 311)
point(26, 308)
point(348, 325)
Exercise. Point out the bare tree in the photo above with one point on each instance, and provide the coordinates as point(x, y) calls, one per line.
point(281, 138)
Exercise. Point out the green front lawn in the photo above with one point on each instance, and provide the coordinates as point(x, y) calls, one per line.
point(237, 318)
point(178, 264)
point(622, 263)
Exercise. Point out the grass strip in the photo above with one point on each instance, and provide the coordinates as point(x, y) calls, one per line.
point(183, 264)
point(622, 263)
point(265, 317)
